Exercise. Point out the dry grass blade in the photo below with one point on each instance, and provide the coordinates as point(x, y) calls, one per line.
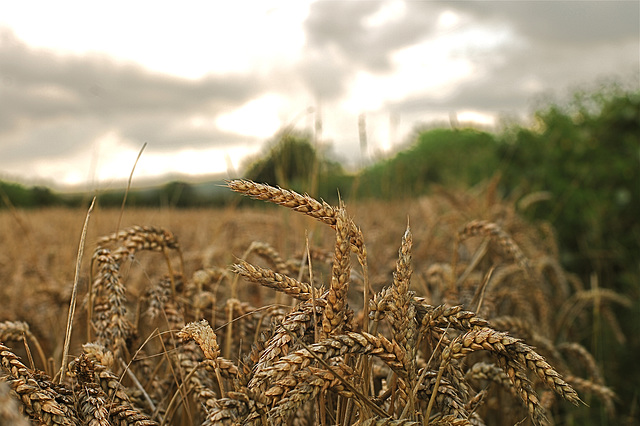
point(126, 192)
point(74, 293)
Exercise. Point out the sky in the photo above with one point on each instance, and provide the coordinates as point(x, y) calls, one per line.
point(205, 84)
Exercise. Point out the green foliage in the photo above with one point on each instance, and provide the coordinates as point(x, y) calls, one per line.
point(43, 197)
point(587, 155)
point(13, 194)
point(293, 161)
point(290, 158)
point(16, 195)
point(177, 194)
point(454, 158)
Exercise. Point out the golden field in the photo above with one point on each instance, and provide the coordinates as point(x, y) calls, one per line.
point(447, 309)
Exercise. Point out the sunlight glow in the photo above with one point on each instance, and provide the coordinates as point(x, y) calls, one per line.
point(475, 117)
point(420, 69)
point(448, 20)
point(257, 118)
point(389, 11)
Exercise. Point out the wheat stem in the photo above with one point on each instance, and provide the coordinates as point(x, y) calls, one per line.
point(74, 292)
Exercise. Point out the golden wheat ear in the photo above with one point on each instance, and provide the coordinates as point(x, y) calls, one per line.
point(287, 198)
point(41, 398)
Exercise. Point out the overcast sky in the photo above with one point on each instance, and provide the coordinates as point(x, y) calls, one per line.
point(83, 85)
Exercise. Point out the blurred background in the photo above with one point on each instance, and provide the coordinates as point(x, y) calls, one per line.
point(367, 99)
point(208, 84)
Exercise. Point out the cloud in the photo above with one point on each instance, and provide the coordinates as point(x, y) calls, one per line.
point(345, 37)
point(511, 85)
point(53, 102)
point(517, 50)
point(566, 22)
point(548, 47)
point(365, 33)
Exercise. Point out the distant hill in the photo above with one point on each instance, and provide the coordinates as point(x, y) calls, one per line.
point(172, 194)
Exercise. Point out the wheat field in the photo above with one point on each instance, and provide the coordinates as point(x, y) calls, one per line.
point(445, 310)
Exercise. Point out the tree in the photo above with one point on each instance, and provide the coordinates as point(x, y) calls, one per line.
point(178, 194)
point(43, 197)
point(292, 161)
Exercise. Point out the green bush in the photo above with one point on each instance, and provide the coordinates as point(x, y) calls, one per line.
point(587, 155)
point(453, 158)
point(16, 195)
point(293, 161)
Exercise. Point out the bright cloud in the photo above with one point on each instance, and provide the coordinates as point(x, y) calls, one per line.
point(257, 118)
